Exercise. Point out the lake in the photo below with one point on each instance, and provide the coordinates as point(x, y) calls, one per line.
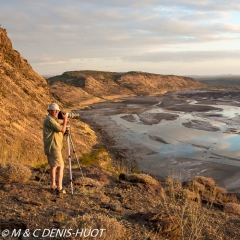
point(182, 134)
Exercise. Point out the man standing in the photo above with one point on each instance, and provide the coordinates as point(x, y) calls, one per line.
point(53, 142)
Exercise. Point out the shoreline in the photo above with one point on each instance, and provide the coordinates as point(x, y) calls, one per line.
point(108, 131)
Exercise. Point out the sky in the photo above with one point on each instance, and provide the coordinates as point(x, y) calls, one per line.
point(178, 37)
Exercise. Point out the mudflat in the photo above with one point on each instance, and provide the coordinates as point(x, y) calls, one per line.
point(182, 134)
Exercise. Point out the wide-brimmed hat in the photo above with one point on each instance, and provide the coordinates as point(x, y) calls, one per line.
point(53, 106)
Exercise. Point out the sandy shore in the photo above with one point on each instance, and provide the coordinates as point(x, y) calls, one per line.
point(121, 137)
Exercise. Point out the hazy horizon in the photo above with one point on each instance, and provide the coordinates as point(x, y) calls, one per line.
point(192, 75)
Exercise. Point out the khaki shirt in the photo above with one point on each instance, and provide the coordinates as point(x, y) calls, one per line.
point(52, 135)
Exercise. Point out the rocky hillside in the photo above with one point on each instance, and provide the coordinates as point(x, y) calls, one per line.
point(135, 207)
point(83, 86)
point(24, 98)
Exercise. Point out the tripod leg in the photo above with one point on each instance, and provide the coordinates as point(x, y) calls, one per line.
point(74, 151)
point(70, 162)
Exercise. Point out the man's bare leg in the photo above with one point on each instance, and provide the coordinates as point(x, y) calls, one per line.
point(53, 177)
point(60, 177)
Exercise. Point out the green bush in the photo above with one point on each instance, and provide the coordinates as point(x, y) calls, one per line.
point(93, 158)
point(89, 159)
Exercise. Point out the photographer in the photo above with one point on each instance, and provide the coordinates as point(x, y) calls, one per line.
point(53, 142)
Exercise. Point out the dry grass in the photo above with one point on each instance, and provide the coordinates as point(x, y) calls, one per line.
point(185, 207)
point(207, 182)
point(190, 206)
point(15, 173)
point(60, 216)
point(19, 152)
point(114, 229)
point(232, 208)
point(209, 191)
point(141, 178)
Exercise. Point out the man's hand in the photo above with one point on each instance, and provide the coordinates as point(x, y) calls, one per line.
point(64, 115)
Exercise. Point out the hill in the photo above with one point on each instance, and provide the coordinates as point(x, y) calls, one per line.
point(94, 86)
point(24, 98)
point(220, 80)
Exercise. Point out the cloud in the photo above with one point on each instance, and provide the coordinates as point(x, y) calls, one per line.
point(183, 56)
point(58, 30)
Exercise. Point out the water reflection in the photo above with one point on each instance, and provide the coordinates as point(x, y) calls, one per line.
point(209, 136)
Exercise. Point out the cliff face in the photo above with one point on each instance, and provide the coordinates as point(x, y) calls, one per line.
point(109, 85)
point(24, 96)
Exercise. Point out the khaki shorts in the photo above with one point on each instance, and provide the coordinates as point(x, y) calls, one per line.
point(55, 159)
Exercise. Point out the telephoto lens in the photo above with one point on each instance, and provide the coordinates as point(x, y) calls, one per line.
point(71, 115)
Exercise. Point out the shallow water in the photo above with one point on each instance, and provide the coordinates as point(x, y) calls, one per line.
point(219, 147)
point(191, 143)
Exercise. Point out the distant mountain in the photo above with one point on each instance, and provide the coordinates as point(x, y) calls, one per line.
point(47, 76)
point(83, 86)
point(226, 80)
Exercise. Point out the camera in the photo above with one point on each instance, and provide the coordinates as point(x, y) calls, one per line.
point(71, 115)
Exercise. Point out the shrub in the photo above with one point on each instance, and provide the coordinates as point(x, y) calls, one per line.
point(19, 152)
point(219, 190)
point(141, 178)
point(15, 173)
point(95, 157)
point(135, 170)
point(186, 208)
point(114, 229)
point(89, 159)
point(198, 187)
point(207, 182)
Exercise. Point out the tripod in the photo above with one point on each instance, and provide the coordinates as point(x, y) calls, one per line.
point(70, 142)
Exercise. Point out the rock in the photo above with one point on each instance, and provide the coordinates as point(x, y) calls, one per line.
point(104, 205)
point(116, 207)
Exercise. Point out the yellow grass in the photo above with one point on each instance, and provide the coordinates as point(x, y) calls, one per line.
point(185, 207)
point(15, 173)
point(19, 152)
